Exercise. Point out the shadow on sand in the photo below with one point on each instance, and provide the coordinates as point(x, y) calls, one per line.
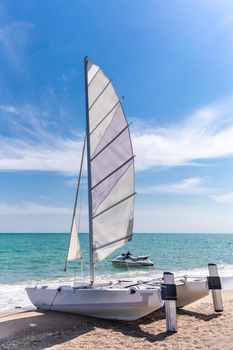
point(37, 330)
point(199, 315)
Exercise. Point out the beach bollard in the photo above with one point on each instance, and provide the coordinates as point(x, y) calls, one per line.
point(169, 295)
point(214, 284)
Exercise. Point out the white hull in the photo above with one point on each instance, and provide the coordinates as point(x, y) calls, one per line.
point(132, 263)
point(120, 303)
point(190, 290)
point(127, 260)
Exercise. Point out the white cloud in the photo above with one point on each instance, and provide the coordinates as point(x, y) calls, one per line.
point(29, 208)
point(36, 217)
point(33, 144)
point(224, 198)
point(14, 40)
point(60, 156)
point(207, 134)
point(224, 24)
point(191, 185)
point(9, 109)
point(183, 219)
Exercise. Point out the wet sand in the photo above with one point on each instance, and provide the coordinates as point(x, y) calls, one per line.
point(199, 327)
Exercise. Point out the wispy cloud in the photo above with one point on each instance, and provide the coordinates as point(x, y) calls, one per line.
point(9, 109)
point(183, 219)
point(193, 185)
point(34, 143)
point(224, 198)
point(29, 208)
point(224, 23)
point(206, 134)
point(14, 40)
point(60, 156)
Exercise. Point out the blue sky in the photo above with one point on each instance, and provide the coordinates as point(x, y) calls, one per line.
point(172, 60)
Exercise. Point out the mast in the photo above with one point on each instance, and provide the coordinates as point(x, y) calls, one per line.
point(89, 174)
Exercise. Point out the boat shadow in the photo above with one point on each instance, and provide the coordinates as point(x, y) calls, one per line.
point(154, 332)
point(199, 315)
point(38, 330)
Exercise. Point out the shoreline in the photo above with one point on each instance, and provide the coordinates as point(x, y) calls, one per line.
point(199, 327)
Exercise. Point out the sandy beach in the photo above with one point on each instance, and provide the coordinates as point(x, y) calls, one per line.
point(199, 327)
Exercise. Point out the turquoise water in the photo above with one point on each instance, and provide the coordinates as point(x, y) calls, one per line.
point(36, 257)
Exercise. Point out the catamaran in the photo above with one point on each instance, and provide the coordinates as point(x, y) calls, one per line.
point(111, 192)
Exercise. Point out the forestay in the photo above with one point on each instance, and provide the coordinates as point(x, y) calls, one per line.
point(112, 166)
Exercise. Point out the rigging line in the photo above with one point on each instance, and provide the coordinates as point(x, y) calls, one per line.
point(50, 307)
point(78, 229)
point(115, 241)
point(117, 103)
point(109, 143)
point(94, 76)
point(80, 204)
point(76, 199)
point(114, 205)
point(112, 172)
point(99, 95)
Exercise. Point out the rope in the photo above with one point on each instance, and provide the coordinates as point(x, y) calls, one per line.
point(54, 299)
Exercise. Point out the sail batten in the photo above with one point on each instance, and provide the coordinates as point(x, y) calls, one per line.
point(109, 143)
point(111, 166)
point(113, 172)
point(113, 242)
point(114, 205)
point(99, 95)
point(118, 102)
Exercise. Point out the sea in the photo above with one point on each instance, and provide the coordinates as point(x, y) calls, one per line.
point(28, 259)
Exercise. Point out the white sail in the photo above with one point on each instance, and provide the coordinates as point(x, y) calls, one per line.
point(112, 166)
point(74, 250)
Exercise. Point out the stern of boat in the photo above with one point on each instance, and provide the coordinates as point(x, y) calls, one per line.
point(190, 290)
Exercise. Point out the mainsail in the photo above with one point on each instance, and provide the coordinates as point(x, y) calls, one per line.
point(111, 165)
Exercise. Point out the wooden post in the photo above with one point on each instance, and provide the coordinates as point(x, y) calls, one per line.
point(168, 293)
point(214, 284)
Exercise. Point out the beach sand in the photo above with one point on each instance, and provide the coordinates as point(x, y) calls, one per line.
point(199, 327)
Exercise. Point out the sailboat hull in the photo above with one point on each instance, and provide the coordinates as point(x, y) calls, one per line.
point(109, 303)
point(190, 290)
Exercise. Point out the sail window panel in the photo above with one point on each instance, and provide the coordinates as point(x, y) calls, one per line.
point(92, 69)
point(100, 192)
point(117, 125)
point(98, 133)
point(122, 189)
point(97, 86)
point(103, 105)
point(111, 158)
point(113, 225)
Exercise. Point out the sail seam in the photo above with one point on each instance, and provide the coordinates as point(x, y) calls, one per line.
point(93, 77)
point(116, 241)
point(110, 174)
point(109, 193)
point(114, 205)
point(109, 143)
point(99, 95)
point(118, 102)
